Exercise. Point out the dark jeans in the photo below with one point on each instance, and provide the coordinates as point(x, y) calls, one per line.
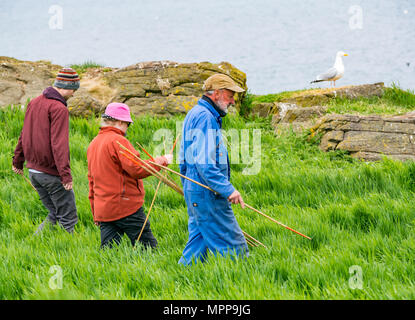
point(131, 225)
point(59, 202)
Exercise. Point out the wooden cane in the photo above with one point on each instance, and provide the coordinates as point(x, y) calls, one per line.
point(247, 205)
point(157, 175)
point(28, 181)
point(155, 194)
point(131, 156)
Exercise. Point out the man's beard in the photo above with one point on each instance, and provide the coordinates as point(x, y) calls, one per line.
point(223, 105)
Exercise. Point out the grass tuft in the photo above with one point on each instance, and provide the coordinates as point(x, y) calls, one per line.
point(83, 67)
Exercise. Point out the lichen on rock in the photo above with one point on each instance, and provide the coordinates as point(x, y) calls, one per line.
point(155, 87)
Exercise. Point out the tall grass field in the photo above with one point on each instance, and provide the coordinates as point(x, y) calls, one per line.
point(360, 216)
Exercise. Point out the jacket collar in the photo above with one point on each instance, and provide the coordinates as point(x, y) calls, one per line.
point(111, 129)
point(51, 93)
point(214, 105)
point(208, 104)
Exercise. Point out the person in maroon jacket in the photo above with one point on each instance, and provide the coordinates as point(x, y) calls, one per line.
point(44, 145)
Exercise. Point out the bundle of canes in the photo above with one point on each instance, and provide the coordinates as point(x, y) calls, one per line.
point(158, 185)
point(141, 163)
point(252, 241)
point(247, 205)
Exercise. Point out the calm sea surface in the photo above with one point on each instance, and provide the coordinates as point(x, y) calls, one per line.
point(280, 45)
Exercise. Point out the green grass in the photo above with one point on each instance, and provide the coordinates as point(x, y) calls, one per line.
point(83, 67)
point(357, 214)
point(275, 97)
point(393, 102)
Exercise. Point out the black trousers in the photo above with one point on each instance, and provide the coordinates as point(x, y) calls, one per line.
point(60, 202)
point(112, 232)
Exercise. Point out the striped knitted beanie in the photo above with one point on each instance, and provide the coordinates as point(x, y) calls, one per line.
point(67, 78)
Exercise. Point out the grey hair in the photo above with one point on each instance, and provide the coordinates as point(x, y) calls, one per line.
point(210, 92)
point(107, 121)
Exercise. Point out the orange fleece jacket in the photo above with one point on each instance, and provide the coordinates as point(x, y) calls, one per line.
point(115, 186)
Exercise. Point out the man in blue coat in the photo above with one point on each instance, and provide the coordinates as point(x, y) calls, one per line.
point(204, 158)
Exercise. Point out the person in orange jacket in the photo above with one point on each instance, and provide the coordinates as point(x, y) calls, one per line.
point(116, 191)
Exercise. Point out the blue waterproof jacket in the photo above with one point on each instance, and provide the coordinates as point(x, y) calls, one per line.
point(204, 158)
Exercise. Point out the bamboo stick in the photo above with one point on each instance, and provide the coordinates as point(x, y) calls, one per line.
point(157, 189)
point(247, 205)
point(145, 151)
point(183, 176)
point(272, 219)
point(252, 238)
point(141, 160)
point(202, 185)
point(29, 182)
point(252, 244)
point(147, 167)
point(152, 171)
point(159, 176)
point(174, 145)
point(148, 214)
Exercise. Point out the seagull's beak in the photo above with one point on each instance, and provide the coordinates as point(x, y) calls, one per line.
point(345, 54)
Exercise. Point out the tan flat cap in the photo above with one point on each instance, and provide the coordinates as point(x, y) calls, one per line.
point(221, 81)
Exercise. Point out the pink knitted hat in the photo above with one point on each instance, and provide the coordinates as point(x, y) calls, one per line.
point(118, 111)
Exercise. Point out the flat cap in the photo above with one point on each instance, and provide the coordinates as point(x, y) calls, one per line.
point(221, 81)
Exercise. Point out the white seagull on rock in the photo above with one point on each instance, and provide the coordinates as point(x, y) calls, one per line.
point(334, 73)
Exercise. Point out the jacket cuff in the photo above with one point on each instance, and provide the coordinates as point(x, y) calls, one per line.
point(66, 179)
point(229, 191)
point(17, 164)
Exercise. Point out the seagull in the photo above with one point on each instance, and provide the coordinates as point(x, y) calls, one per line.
point(334, 73)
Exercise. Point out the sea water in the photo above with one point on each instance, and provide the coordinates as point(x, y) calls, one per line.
point(280, 45)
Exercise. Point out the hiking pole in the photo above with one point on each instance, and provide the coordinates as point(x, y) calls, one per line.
point(247, 205)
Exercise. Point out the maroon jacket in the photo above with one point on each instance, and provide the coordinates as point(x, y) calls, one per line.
point(44, 140)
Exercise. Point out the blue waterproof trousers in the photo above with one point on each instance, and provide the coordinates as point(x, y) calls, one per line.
point(212, 227)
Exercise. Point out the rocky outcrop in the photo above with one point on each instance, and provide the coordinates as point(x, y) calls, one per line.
point(289, 115)
point(166, 87)
point(313, 98)
point(368, 137)
point(23, 80)
point(93, 95)
point(156, 87)
point(318, 97)
point(297, 118)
